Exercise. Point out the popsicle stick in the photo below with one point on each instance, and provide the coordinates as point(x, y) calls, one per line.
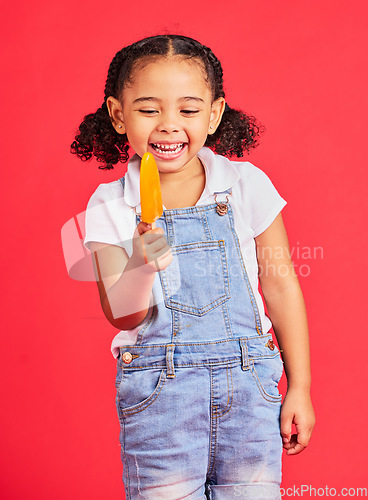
point(153, 225)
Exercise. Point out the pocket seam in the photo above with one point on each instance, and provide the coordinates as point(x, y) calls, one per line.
point(216, 245)
point(268, 397)
point(139, 407)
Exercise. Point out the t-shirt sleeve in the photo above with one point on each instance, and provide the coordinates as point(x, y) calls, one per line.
point(100, 222)
point(265, 201)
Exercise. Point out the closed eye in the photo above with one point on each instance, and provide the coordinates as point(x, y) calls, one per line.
point(149, 111)
point(185, 111)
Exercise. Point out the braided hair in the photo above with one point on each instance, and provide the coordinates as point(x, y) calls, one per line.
point(236, 133)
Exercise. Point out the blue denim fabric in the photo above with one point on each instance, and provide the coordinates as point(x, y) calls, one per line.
point(197, 395)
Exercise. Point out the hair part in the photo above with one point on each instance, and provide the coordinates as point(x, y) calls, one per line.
point(237, 132)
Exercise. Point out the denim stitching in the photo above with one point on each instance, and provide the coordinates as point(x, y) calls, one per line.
point(246, 277)
point(170, 368)
point(227, 322)
point(169, 230)
point(207, 229)
point(230, 386)
point(189, 210)
point(224, 263)
point(264, 336)
point(175, 318)
point(206, 309)
point(199, 311)
point(203, 363)
point(229, 394)
point(244, 355)
point(139, 407)
point(187, 365)
point(261, 356)
point(213, 432)
point(264, 394)
point(187, 247)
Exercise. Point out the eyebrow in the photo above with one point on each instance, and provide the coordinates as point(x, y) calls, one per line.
point(155, 99)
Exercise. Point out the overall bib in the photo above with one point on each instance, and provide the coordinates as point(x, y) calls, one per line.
point(197, 394)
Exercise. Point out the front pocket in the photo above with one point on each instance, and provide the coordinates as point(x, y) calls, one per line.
point(197, 279)
point(267, 373)
point(138, 389)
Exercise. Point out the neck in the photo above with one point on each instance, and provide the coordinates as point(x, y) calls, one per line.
point(189, 172)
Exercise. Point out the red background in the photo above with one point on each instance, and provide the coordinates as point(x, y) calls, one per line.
point(300, 68)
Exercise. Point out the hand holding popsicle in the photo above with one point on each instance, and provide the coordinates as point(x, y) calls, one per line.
point(150, 248)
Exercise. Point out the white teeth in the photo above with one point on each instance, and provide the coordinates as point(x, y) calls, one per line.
point(168, 148)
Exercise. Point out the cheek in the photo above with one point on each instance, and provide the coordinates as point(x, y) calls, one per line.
point(137, 129)
point(200, 130)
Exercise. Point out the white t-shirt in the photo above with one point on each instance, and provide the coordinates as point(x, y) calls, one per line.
point(110, 216)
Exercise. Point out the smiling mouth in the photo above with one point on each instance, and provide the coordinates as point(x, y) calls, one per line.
point(168, 148)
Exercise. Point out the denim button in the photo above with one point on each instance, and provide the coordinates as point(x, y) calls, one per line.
point(127, 357)
point(270, 345)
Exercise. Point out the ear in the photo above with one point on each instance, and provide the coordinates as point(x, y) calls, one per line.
point(116, 114)
point(217, 110)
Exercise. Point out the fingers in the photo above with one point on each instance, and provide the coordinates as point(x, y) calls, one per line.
point(302, 438)
point(151, 247)
point(155, 244)
point(154, 238)
point(294, 443)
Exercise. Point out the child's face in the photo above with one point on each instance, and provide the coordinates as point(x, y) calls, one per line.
point(168, 103)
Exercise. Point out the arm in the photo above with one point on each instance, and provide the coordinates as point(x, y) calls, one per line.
point(286, 308)
point(124, 283)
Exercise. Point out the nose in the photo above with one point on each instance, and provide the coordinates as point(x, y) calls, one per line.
point(168, 123)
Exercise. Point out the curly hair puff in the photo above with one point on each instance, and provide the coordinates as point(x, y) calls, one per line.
point(236, 133)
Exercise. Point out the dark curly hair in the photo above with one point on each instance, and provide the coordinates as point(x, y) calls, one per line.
point(237, 131)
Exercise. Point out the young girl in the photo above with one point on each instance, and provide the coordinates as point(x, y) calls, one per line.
point(197, 369)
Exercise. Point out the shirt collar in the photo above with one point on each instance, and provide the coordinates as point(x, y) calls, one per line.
point(221, 175)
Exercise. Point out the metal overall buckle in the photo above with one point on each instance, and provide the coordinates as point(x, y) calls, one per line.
point(222, 208)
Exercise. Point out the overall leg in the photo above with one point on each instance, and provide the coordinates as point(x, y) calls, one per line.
point(246, 461)
point(164, 434)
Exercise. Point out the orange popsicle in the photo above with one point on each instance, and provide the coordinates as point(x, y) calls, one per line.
point(151, 200)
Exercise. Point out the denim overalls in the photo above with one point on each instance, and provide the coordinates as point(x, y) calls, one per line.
point(197, 396)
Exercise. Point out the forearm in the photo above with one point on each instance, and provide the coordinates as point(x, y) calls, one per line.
point(127, 301)
point(287, 311)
